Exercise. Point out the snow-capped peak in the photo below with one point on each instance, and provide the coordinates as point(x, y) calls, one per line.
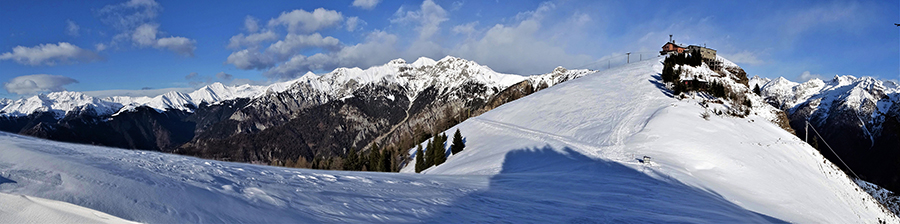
point(424, 61)
point(398, 61)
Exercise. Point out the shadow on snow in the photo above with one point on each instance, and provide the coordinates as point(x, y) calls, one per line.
point(544, 185)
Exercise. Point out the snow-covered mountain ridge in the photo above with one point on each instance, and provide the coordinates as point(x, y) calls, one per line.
point(424, 72)
point(857, 117)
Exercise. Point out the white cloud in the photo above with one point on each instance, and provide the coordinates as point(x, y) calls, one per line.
point(366, 4)
point(224, 76)
point(378, 47)
point(744, 57)
point(251, 24)
point(429, 16)
point(466, 29)
point(293, 44)
point(517, 48)
point(129, 15)
point(134, 19)
point(353, 23)
point(31, 84)
point(100, 47)
point(806, 76)
point(145, 36)
point(49, 54)
point(301, 21)
point(252, 40)
point(250, 59)
point(281, 51)
point(72, 28)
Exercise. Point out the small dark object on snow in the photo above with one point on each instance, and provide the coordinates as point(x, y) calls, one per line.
point(646, 159)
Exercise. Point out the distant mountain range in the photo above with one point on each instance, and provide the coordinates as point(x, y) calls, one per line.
point(858, 117)
point(313, 117)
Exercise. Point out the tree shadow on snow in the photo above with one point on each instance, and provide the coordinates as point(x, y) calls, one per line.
point(657, 81)
point(544, 185)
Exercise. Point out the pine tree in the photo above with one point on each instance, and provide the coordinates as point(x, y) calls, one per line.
point(458, 144)
point(756, 90)
point(440, 153)
point(420, 159)
point(351, 162)
point(386, 156)
point(440, 156)
point(429, 160)
point(374, 158)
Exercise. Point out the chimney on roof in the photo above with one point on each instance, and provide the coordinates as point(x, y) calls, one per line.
point(670, 37)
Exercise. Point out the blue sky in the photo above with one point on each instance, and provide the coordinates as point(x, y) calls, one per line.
point(122, 47)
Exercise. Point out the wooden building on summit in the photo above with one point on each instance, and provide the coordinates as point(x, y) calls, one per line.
point(671, 47)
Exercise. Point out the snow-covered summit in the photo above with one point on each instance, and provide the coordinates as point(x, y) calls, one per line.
point(423, 73)
point(866, 95)
point(59, 103)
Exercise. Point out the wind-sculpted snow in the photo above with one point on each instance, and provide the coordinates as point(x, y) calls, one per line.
point(25, 209)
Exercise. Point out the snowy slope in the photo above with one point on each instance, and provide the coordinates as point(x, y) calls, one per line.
point(619, 116)
point(161, 188)
point(25, 209)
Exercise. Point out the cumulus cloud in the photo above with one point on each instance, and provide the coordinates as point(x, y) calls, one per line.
point(251, 40)
point(366, 4)
point(378, 47)
point(31, 84)
point(429, 18)
point(301, 21)
point(517, 48)
point(135, 20)
point(250, 59)
point(72, 28)
point(293, 44)
point(49, 54)
point(806, 76)
point(145, 36)
point(465, 29)
point(281, 50)
point(251, 24)
point(353, 23)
